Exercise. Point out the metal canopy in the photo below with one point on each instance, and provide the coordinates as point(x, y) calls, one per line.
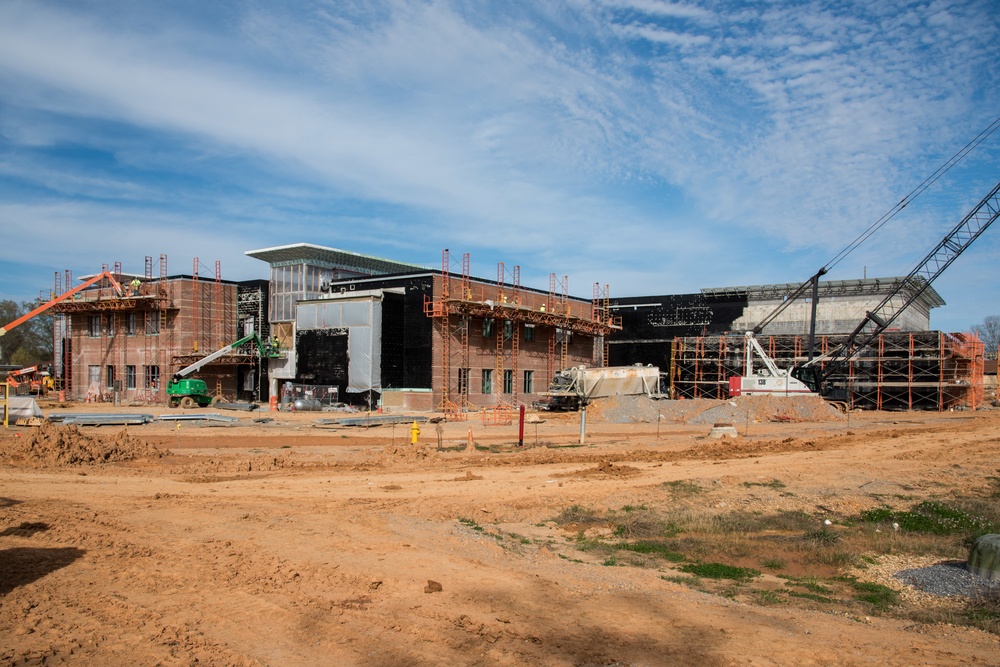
point(827, 289)
point(334, 258)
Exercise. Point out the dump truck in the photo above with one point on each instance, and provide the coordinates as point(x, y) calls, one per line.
point(577, 386)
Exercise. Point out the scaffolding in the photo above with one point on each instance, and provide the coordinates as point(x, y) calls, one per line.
point(510, 308)
point(929, 370)
point(601, 312)
point(251, 315)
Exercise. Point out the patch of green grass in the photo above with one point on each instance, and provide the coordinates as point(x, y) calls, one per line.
point(640, 522)
point(584, 543)
point(572, 560)
point(720, 571)
point(812, 596)
point(822, 536)
point(580, 516)
point(933, 517)
point(745, 522)
point(774, 563)
point(610, 561)
point(681, 487)
point(471, 524)
point(880, 597)
point(775, 484)
point(811, 584)
point(652, 548)
point(629, 509)
point(765, 598)
point(691, 581)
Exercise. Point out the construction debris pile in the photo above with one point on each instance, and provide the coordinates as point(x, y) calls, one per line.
point(755, 409)
point(55, 445)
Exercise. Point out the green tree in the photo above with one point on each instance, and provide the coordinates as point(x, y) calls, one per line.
point(28, 343)
point(989, 332)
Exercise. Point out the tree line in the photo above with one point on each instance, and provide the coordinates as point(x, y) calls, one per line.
point(28, 343)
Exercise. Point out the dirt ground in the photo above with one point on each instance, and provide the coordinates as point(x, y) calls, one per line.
point(293, 543)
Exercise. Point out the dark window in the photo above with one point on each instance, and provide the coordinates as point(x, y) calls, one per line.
point(94, 326)
point(463, 381)
point(508, 382)
point(130, 324)
point(487, 380)
point(152, 323)
point(529, 333)
point(529, 382)
point(487, 328)
point(130, 377)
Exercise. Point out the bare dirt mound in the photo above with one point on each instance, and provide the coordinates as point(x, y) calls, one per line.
point(604, 470)
point(57, 445)
point(644, 410)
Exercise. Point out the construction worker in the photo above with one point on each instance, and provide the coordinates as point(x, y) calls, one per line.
point(275, 345)
point(135, 285)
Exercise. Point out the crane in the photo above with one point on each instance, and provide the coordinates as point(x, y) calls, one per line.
point(62, 297)
point(817, 373)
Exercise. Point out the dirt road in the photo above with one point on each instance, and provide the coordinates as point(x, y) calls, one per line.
point(285, 544)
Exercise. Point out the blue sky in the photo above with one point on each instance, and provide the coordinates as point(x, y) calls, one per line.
point(657, 147)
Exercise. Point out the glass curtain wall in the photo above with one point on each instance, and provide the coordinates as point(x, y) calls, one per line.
point(293, 283)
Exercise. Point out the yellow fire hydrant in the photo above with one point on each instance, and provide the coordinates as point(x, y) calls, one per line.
point(414, 433)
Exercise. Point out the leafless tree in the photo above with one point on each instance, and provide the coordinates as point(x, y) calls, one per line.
point(989, 333)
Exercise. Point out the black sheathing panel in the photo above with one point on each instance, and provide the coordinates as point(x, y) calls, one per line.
point(418, 334)
point(407, 355)
point(393, 338)
point(322, 357)
point(652, 322)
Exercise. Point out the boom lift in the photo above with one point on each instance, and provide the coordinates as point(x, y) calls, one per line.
point(824, 375)
point(35, 379)
point(187, 392)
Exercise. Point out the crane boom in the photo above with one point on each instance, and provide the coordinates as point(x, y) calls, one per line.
point(62, 297)
point(905, 292)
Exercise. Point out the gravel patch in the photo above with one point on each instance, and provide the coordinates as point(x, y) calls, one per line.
point(948, 579)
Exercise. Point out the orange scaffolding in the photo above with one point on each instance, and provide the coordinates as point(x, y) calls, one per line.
point(899, 371)
point(456, 303)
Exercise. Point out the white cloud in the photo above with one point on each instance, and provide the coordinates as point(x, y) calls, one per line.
point(578, 132)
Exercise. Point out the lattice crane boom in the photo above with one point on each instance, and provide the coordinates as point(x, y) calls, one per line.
point(816, 372)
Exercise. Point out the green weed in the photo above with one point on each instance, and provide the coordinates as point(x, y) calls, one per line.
point(720, 571)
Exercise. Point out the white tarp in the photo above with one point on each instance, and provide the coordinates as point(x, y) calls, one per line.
point(22, 406)
point(362, 317)
point(602, 382)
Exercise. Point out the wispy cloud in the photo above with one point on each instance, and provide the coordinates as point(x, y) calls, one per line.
point(630, 135)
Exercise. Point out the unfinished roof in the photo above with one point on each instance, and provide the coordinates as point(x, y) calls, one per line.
point(827, 289)
point(331, 258)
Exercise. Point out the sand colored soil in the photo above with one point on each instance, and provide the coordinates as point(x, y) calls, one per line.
point(282, 543)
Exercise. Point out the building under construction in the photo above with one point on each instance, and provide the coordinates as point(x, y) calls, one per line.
point(124, 342)
point(698, 340)
point(380, 332)
point(399, 335)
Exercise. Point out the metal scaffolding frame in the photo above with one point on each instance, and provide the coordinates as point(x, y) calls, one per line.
point(929, 370)
point(458, 302)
